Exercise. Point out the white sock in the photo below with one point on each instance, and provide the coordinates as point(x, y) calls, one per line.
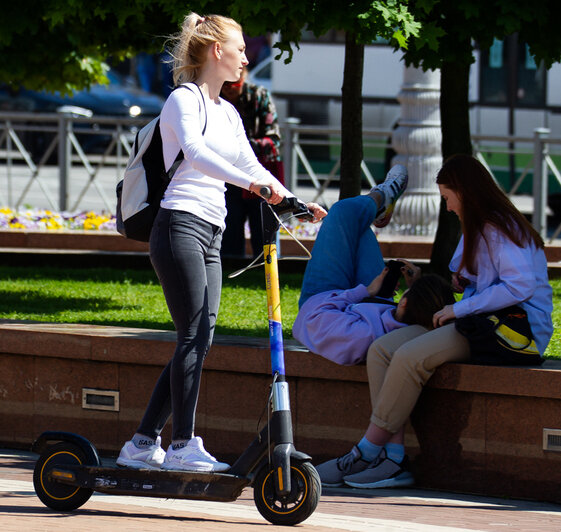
point(178, 444)
point(141, 441)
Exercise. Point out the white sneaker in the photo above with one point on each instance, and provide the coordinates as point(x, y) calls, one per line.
point(142, 458)
point(393, 187)
point(192, 457)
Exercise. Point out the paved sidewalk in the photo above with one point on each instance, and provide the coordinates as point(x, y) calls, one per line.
point(339, 509)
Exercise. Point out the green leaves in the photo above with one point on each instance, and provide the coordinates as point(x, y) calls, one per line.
point(63, 45)
point(448, 29)
point(389, 19)
point(58, 44)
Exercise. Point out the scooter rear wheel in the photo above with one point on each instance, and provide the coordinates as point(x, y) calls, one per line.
point(295, 507)
point(57, 495)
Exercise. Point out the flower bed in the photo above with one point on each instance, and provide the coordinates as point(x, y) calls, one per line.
point(46, 220)
point(41, 219)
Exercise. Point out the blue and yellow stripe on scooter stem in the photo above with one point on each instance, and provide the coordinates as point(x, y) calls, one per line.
point(274, 308)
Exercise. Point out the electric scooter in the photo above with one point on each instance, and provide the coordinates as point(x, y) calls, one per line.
point(286, 486)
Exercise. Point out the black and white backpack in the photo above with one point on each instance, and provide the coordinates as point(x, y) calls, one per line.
point(145, 178)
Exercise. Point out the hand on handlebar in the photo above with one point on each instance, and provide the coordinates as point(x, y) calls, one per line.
point(272, 192)
point(311, 212)
point(317, 210)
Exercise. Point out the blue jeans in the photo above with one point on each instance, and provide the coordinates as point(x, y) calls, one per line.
point(185, 252)
point(346, 252)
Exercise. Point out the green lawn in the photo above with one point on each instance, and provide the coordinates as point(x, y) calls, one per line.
point(133, 298)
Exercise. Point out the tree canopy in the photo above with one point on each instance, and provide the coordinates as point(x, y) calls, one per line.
point(63, 44)
point(449, 30)
point(365, 19)
point(447, 38)
point(362, 21)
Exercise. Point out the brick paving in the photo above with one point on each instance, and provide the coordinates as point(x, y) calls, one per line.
point(339, 509)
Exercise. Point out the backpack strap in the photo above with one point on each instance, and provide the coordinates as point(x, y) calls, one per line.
point(201, 99)
point(179, 156)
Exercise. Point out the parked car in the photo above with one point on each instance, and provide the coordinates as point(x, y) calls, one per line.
point(120, 98)
point(261, 73)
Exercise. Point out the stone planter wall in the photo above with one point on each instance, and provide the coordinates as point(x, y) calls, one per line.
point(475, 429)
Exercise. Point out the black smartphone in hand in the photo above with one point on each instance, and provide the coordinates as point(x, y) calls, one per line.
point(390, 280)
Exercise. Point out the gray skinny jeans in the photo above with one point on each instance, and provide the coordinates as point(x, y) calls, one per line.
point(185, 253)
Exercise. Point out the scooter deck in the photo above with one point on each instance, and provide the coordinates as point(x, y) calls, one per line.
point(152, 483)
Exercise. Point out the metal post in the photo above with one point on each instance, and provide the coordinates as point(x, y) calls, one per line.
point(9, 160)
point(119, 148)
point(539, 190)
point(64, 154)
point(290, 176)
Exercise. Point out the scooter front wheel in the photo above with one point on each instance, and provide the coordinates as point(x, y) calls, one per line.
point(294, 507)
point(56, 495)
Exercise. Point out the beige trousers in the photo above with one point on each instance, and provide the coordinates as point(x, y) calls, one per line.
point(401, 362)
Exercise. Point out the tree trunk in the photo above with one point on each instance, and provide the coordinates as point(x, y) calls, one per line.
point(351, 119)
point(456, 138)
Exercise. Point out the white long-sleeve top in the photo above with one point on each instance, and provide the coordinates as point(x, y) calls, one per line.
point(222, 155)
point(507, 275)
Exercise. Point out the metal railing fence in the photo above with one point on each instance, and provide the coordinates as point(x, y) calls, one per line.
point(539, 152)
point(50, 150)
point(32, 146)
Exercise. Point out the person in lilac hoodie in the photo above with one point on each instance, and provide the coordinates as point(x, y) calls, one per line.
point(499, 262)
point(337, 318)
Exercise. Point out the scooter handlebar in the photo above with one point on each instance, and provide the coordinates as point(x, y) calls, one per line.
point(289, 205)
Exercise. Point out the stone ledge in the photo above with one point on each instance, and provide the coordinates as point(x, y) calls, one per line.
point(392, 246)
point(539, 381)
point(122, 344)
point(72, 240)
point(411, 247)
point(475, 429)
point(126, 345)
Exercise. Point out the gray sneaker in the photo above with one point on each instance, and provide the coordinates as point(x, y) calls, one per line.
point(332, 472)
point(393, 187)
point(382, 473)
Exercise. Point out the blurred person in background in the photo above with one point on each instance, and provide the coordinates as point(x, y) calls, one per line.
point(260, 121)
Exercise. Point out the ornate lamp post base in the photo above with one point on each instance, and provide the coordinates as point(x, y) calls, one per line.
point(417, 142)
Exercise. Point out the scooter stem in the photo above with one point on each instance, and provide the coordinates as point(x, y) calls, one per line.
point(280, 394)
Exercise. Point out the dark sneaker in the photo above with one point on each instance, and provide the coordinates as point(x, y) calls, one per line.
point(382, 473)
point(332, 472)
point(392, 188)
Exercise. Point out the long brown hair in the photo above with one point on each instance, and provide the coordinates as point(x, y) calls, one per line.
point(483, 202)
point(427, 295)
